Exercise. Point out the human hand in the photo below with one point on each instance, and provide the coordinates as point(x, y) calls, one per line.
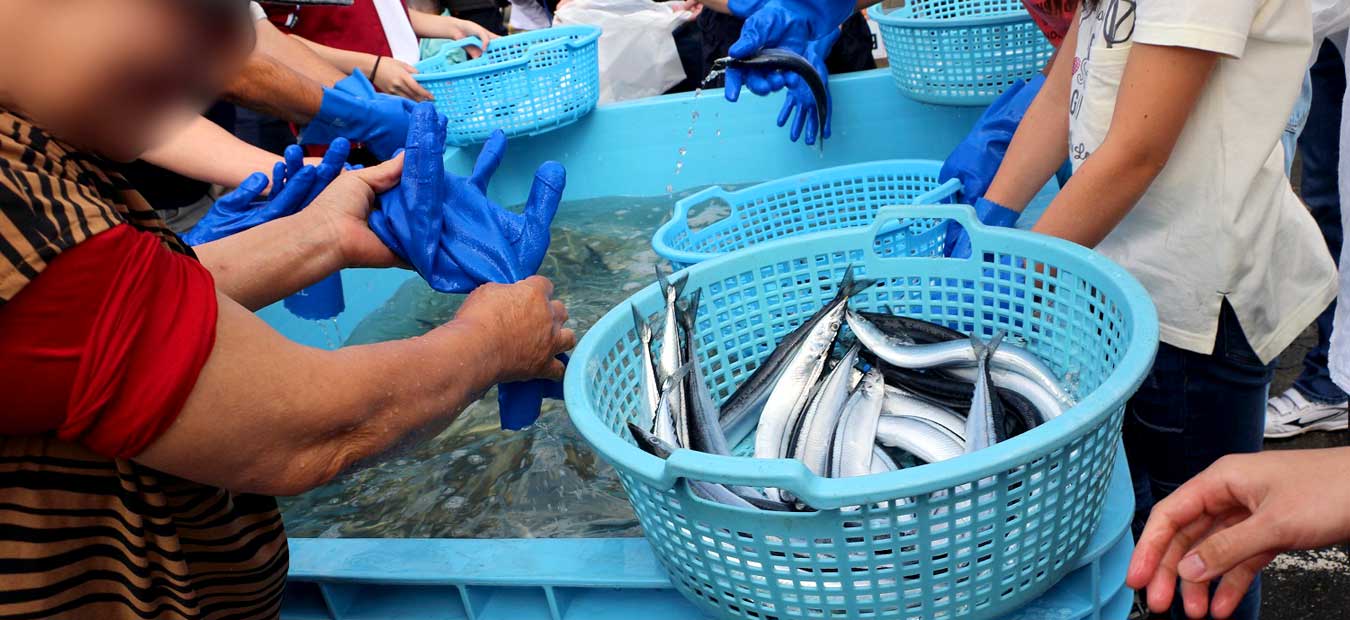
point(802, 99)
point(344, 208)
point(353, 110)
point(1231, 520)
point(396, 78)
point(463, 28)
point(786, 24)
point(447, 228)
point(294, 185)
point(523, 325)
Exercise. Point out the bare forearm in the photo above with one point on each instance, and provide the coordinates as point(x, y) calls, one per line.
point(269, 416)
point(1041, 142)
point(262, 265)
point(345, 60)
point(1098, 196)
point(272, 88)
point(292, 51)
point(206, 152)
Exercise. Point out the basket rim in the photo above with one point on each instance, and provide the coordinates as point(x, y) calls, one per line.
point(561, 35)
point(902, 17)
point(831, 493)
point(680, 215)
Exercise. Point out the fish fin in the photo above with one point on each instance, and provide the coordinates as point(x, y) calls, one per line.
point(688, 312)
point(851, 285)
point(663, 281)
point(679, 284)
point(981, 349)
point(676, 377)
point(996, 341)
point(640, 325)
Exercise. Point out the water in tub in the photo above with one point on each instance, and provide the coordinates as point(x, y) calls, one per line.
point(474, 480)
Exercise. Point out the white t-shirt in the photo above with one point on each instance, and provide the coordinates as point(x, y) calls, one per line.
point(258, 13)
point(529, 15)
point(1220, 220)
point(403, 43)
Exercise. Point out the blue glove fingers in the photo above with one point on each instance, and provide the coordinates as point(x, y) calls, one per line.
point(423, 184)
point(540, 208)
point(957, 245)
point(759, 83)
point(735, 79)
point(785, 114)
point(278, 178)
point(357, 85)
point(294, 157)
point(812, 125)
point(244, 195)
point(293, 197)
point(334, 162)
point(488, 160)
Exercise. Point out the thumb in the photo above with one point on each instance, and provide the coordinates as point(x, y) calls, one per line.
point(1229, 547)
point(755, 35)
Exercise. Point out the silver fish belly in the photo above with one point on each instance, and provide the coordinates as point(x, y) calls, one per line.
point(857, 433)
point(928, 441)
point(648, 393)
point(819, 424)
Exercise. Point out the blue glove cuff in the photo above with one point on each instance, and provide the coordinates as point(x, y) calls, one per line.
point(992, 213)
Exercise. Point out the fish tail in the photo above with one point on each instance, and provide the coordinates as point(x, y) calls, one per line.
point(640, 325)
point(688, 313)
point(671, 286)
point(850, 285)
point(981, 349)
point(996, 341)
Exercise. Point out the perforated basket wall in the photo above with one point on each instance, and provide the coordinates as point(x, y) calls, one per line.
point(523, 84)
point(974, 537)
point(828, 199)
point(961, 52)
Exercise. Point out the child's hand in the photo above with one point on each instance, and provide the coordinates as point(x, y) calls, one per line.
point(395, 77)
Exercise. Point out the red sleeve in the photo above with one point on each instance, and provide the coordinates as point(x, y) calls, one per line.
point(105, 345)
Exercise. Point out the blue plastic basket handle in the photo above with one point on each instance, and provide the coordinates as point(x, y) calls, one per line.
point(887, 216)
point(938, 194)
point(683, 207)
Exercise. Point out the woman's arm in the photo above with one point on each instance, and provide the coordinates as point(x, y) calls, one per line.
point(389, 75)
point(206, 152)
point(442, 27)
point(1041, 143)
point(269, 416)
point(1157, 94)
point(262, 265)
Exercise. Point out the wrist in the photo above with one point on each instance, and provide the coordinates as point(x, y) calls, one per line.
point(318, 237)
point(476, 346)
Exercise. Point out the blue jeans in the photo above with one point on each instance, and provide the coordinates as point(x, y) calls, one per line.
point(1320, 147)
point(1191, 410)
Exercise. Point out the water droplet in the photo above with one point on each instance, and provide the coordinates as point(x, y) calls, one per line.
point(691, 132)
point(670, 189)
point(694, 115)
point(683, 151)
point(719, 133)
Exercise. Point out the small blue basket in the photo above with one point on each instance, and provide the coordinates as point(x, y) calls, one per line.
point(829, 199)
point(961, 52)
point(524, 84)
point(972, 537)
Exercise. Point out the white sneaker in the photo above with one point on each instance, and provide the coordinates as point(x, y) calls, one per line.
point(1291, 414)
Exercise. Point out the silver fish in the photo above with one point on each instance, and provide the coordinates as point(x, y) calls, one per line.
point(822, 417)
point(882, 462)
point(648, 393)
point(707, 490)
point(1047, 404)
point(981, 421)
point(790, 394)
point(927, 440)
point(900, 403)
point(670, 358)
point(705, 431)
point(898, 352)
point(857, 433)
point(666, 416)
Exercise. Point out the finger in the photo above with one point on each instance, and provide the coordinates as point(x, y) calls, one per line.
point(541, 284)
point(383, 177)
point(295, 159)
point(812, 129)
point(798, 122)
point(488, 160)
point(567, 340)
point(1228, 547)
point(1162, 587)
point(424, 166)
point(1180, 510)
point(1233, 588)
point(785, 113)
point(418, 92)
point(559, 310)
point(1195, 598)
point(278, 178)
point(473, 51)
point(247, 192)
point(334, 160)
point(776, 81)
point(755, 35)
point(735, 79)
point(554, 371)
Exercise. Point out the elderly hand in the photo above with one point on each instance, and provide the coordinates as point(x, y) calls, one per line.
point(1231, 520)
point(524, 325)
point(344, 208)
point(396, 78)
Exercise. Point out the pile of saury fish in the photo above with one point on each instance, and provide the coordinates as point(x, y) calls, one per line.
point(888, 390)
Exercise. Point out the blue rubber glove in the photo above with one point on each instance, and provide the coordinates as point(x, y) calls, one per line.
point(353, 110)
point(447, 228)
point(789, 24)
point(800, 98)
point(977, 158)
point(294, 186)
point(990, 213)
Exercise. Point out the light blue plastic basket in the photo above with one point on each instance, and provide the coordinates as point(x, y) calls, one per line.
point(973, 537)
point(960, 52)
point(828, 199)
point(524, 84)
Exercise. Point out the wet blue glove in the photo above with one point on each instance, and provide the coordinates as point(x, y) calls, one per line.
point(294, 186)
point(353, 110)
point(802, 100)
point(976, 159)
point(990, 213)
point(445, 226)
point(789, 24)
